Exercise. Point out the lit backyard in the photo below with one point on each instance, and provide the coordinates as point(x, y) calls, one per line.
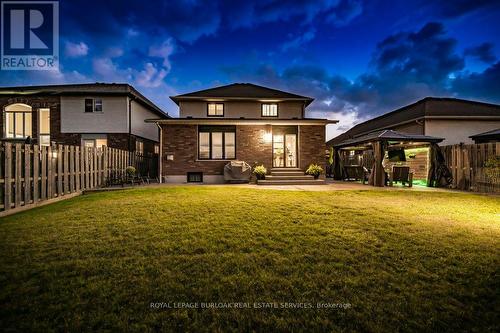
point(379, 260)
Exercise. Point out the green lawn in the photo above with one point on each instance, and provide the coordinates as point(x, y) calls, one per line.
point(396, 260)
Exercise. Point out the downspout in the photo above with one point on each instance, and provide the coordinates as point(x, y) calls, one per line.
point(129, 123)
point(160, 160)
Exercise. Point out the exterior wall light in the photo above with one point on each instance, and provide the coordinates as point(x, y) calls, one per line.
point(268, 136)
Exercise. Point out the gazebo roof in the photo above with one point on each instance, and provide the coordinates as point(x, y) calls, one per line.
point(388, 135)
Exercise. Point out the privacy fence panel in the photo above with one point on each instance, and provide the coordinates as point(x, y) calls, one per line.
point(30, 174)
point(473, 166)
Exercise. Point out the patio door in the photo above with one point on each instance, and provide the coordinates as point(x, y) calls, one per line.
point(285, 147)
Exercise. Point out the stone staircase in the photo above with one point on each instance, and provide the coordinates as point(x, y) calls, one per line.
point(289, 176)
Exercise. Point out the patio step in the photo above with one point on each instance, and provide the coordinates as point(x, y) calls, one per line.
point(287, 172)
point(289, 177)
point(313, 181)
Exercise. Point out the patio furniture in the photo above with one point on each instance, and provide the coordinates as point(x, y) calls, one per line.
point(401, 174)
point(356, 172)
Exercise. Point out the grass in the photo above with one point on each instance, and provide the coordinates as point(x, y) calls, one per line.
point(396, 260)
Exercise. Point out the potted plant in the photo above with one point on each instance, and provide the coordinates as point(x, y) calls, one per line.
point(314, 170)
point(130, 170)
point(260, 171)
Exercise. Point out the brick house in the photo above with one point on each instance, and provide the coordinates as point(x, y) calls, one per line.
point(243, 122)
point(94, 115)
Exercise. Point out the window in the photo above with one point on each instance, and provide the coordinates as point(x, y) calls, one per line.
point(216, 142)
point(17, 121)
point(93, 105)
point(215, 110)
point(139, 146)
point(44, 124)
point(89, 143)
point(94, 142)
point(157, 149)
point(195, 177)
point(269, 110)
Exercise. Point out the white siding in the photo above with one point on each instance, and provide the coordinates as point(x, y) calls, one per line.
point(456, 131)
point(113, 119)
point(139, 127)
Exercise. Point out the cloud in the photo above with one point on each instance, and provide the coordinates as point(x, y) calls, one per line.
point(74, 50)
point(150, 76)
point(483, 52)
point(458, 8)
point(163, 51)
point(345, 12)
point(294, 43)
point(482, 85)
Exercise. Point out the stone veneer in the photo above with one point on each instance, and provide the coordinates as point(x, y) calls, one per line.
point(182, 142)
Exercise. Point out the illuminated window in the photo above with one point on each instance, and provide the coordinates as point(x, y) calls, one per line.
point(216, 142)
point(44, 125)
point(215, 110)
point(269, 110)
point(157, 149)
point(17, 121)
point(93, 105)
point(139, 146)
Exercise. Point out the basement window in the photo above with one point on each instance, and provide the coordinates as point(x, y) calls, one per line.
point(195, 177)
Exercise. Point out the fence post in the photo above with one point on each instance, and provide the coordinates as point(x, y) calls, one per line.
point(27, 174)
point(18, 193)
point(8, 174)
point(66, 169)
point(36, 165)
point(72, 169)
point(59, 170)
point(77, 167)
point(46, 155)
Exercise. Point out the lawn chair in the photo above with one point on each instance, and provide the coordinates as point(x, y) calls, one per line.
point(356, 172)
point(401, 174)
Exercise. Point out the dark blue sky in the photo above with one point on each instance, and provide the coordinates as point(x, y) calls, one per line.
point(357, 58)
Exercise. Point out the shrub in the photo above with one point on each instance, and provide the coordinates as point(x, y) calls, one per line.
point(130, 171)
point(492, 169)
point(314, 170)
point(260, 171)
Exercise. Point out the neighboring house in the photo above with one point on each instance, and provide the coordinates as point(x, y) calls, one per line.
point(243, 122)
point(455, 120)
point(93, 115)
point(487, 137)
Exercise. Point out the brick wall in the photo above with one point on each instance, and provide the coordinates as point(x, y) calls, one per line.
point(312, 146)
point(181, 141)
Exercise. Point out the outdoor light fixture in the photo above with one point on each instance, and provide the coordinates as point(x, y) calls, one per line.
point(268, 136)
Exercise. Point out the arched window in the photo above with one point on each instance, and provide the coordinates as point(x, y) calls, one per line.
point(17, 121)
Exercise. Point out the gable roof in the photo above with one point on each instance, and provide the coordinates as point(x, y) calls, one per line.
point(388, 135)
point(117, 89)
point(241, 91)
point(429, 107)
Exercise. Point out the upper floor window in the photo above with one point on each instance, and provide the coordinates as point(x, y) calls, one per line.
point(215, 110)
point(93, 105)
point(17, 121)
point(269, 110)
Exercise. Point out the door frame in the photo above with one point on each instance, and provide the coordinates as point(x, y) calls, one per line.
point(284, 130)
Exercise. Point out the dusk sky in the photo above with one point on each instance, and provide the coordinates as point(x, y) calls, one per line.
point(358, 59)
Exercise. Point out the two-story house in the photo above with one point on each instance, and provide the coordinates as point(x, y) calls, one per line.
point(92, 115)
point(243, 122)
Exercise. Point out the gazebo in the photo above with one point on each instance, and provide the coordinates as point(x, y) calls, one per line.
point(381, 141)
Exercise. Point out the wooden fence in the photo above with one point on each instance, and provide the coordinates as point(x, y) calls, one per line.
point(466, 163)
point(31, 174)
